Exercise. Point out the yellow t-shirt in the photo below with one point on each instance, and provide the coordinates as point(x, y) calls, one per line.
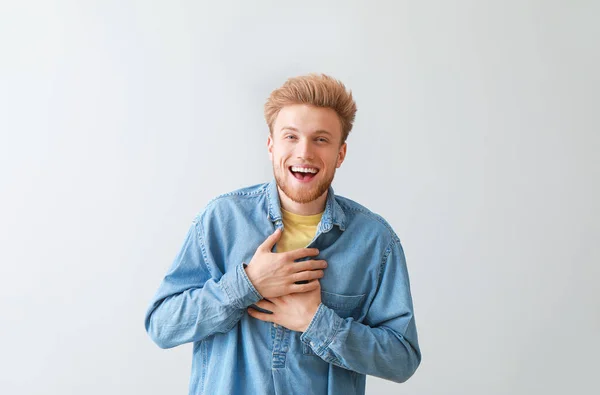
point(298, 230)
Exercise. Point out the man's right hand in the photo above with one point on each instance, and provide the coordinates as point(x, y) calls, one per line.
point(276, 274)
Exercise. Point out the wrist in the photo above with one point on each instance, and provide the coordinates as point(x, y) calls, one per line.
point(310, 314)
point(250, 275)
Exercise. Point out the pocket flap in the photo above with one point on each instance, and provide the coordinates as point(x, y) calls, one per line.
point(341, 302)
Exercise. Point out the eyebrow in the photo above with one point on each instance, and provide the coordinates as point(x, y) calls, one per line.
point(293, 129)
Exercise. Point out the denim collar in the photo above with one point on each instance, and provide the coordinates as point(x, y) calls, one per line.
point(333, 215)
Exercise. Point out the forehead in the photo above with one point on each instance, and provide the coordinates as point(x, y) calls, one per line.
point(308, 119)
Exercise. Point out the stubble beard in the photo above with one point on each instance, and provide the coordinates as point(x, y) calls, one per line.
point(306, 194)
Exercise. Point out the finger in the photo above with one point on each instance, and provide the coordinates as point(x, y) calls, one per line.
point(260, 316)
point(255, 307)
point(265, 304)
point(311, 286)
point(270, 241)
point(308, 275)
point(302, 253)
point(309, 265)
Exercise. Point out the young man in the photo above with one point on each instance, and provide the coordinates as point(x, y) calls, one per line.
point(285, 288)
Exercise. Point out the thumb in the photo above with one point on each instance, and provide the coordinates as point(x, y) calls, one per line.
point(270, 241)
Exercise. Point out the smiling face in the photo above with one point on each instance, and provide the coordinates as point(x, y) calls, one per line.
point(305, 149)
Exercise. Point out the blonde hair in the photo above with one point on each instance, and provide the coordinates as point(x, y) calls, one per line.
point(318, 90)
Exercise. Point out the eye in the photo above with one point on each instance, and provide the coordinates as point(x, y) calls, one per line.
point(289, 137)
point(321, 139)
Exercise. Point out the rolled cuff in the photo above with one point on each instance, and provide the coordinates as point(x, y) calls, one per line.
point(239, 288)
point(322, 329)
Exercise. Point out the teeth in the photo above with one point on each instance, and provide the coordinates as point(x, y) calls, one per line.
point(304, 170)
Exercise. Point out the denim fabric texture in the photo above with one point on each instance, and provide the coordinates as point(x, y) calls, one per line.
point(365, 324)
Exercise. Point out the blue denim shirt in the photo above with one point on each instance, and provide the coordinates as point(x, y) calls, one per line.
point(365, 324)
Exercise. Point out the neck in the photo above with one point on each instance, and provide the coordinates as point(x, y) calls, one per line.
point(317, 206)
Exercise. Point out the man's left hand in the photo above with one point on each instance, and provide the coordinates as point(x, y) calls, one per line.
point(293, 311)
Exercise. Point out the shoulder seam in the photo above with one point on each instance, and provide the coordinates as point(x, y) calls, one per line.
point(370, 214)
point(239, 193)
point(234, 194)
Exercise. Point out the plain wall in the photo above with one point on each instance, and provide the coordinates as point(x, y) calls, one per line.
point(476, 137)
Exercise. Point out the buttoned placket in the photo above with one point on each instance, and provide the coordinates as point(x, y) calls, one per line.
point(279, 334)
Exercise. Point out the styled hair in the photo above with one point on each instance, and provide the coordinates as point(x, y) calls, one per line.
point(318, 90)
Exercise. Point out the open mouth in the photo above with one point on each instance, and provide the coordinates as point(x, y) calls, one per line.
point(303, 173)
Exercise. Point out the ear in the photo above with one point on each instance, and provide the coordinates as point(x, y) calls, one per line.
point(270, 146)
point(341, 155)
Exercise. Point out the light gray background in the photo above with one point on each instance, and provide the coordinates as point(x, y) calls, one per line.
point(477, 137)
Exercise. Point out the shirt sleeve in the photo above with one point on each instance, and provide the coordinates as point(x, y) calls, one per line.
point(385, 344)
point(196, 300)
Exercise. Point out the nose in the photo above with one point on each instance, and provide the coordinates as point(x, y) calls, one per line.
point(304, 149)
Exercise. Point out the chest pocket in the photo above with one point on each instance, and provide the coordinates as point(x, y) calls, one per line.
point(344, 305)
